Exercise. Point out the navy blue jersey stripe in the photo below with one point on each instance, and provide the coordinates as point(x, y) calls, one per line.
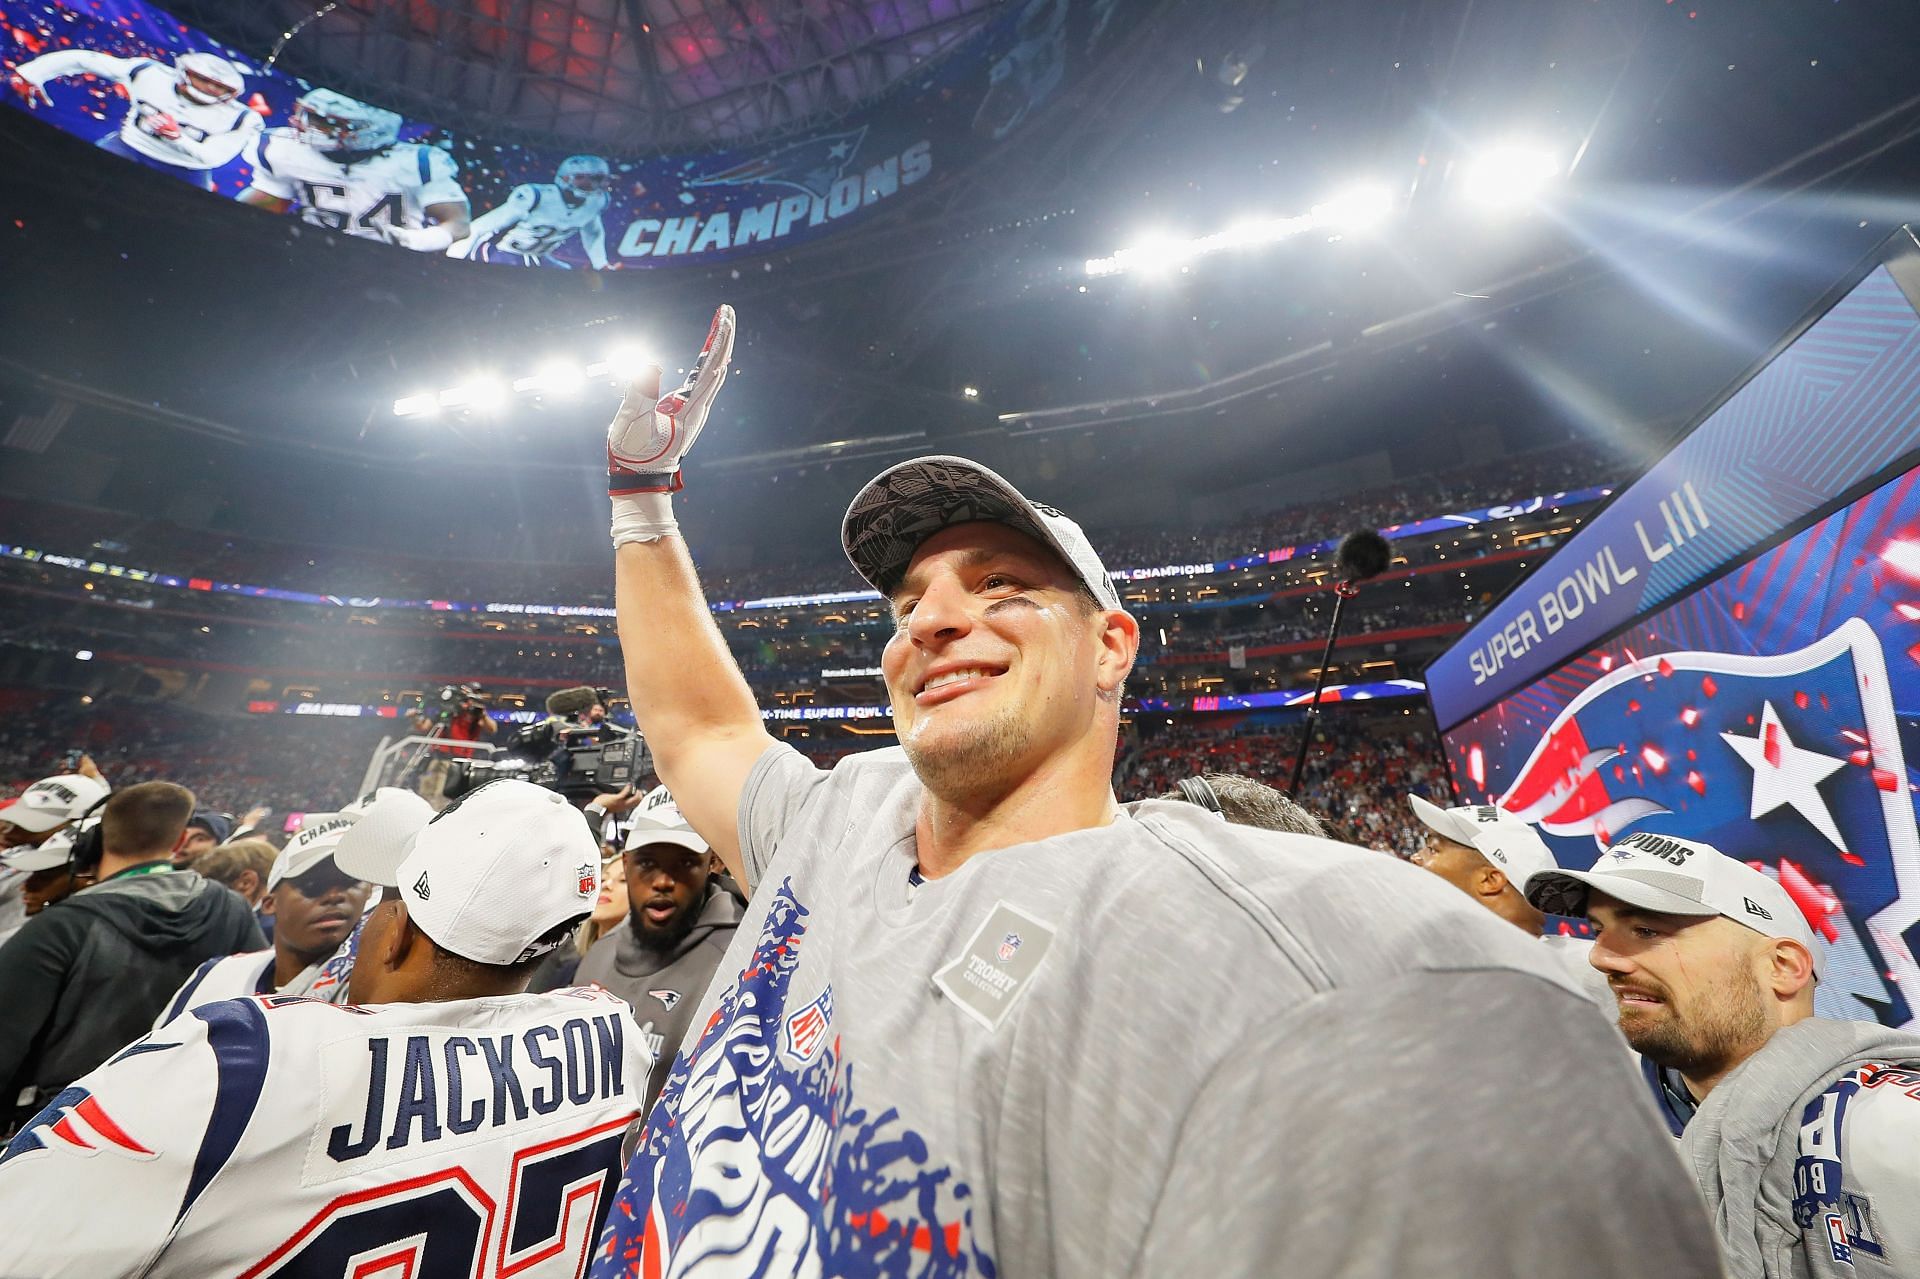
point(193, 984)
point(426, 167)
point(237, 1033)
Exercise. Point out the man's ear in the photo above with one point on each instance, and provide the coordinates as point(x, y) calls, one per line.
point(1790, 967)
point(1491, 881)
point(403, 939)
point(1119, 644)
point(247, 884)
point(266, 904)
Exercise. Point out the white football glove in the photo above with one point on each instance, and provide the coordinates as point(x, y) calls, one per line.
point(425, 239)
point(649, 436)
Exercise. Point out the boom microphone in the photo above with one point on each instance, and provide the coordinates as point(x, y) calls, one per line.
point(1360, 556)
point(1363, 555)
point(571, 701)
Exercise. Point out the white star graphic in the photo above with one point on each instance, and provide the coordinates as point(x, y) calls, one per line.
point(839, 151)
point(1785, 774)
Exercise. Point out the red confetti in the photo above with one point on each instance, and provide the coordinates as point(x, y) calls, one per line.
point(1885, 780)
point(1739, 610)
point(1632, 707)
point(1708, 687)
point(1801, 700)
point(1852, 859)
point(1860, 758)
point(1698, 783)
point(1665, 667)
point(1689, 716)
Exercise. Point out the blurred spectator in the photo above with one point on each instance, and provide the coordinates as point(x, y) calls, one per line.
point(51, 875)
point(84, 978)
point(682, 918)
point(46, 807)
point(206, 830)
point(1245, 802)
point(609, 911)
point(242, 865)
point(316, 905)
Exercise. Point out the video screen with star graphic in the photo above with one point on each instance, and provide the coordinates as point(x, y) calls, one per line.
point(1772, 714)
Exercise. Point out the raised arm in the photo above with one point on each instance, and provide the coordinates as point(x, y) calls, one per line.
point(689, 698)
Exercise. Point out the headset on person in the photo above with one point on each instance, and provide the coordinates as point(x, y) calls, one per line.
point(1199, 792)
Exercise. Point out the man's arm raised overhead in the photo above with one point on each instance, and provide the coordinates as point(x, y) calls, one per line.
point(689, 698)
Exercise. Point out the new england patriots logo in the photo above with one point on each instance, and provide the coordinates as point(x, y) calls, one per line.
point(1790, 761)
point(75, 1121)
point(811, 165)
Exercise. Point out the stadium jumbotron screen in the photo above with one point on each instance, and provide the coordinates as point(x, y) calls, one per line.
point(1676, 669)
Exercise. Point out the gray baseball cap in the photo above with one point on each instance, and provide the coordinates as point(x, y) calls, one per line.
point(904, 505)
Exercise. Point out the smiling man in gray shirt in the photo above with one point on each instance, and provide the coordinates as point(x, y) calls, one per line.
point(982, 1019)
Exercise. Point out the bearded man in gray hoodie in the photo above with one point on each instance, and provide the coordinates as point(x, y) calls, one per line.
point(1802, 1132)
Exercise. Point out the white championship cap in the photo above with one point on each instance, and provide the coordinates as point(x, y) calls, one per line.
point(55, 850)
point(904, 505)
point(389, 820)
point(316, 842)
point(1675, 876)
point(54, 801)
point(498, 869)
point(1493, 832)
point(658, 821)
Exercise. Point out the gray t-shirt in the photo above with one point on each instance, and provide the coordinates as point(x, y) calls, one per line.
point(1165, 1046)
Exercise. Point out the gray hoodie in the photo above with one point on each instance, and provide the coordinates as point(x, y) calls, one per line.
point(1791, 1153)
point(664, 987)
point(86, 977)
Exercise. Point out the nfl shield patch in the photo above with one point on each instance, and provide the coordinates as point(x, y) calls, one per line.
point(807, 1027)
point(1009, 946)
point(589, 880)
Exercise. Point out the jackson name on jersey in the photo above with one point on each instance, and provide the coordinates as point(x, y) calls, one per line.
point(394, 187)
point(281, 1135)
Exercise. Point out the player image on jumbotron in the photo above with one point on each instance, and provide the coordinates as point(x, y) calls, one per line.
point(342, 165)
point(187, 116)
point(539, 217)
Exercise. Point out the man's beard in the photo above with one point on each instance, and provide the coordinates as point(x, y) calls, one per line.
point(1731, 1017)
point(975, 763)
point(669, 935)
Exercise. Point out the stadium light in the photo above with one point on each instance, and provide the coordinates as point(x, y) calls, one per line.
point(480, 393)
point(971, 392)
point(1355, 209)
point(416, 405)
point(84, 655)
point(1507, 177)
point(558, 377)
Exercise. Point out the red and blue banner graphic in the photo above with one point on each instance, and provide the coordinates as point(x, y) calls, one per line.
point(137, 82)
point(1772, 714)
point(1837, 407)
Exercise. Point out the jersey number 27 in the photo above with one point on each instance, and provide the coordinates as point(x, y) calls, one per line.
point(442, 1225)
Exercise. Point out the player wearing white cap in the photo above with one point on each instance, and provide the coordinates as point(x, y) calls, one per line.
point(316, 906)
point(187, 116)
point(1488, 853)
point(448, 1124)
point(681, 920)
point(49, 805)
point(1800, 1131)
point(982, 1019)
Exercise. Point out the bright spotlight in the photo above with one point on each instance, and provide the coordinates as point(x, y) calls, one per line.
point(484, 394)
point(971, 392)
point(84, 655)
point(415, 405)
point(559, 378)
point(1358, 209)
point(1507, 177)
point(624, 363)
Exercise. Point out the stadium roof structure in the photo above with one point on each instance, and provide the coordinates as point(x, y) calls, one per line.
point(626, 76)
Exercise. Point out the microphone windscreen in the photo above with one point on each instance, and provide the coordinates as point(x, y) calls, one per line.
point(1363, 555)
point(571, 701)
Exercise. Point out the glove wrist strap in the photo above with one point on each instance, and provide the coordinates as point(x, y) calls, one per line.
point(624, 483)
point(645, 516)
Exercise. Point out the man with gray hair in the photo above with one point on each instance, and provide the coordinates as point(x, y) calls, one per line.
point(980, 1016)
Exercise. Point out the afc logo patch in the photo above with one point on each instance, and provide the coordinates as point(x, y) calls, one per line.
point(806, 1028)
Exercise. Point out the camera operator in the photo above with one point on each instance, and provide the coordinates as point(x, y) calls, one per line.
point(462, 718)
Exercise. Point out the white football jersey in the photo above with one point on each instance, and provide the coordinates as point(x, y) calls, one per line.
point(395, 186)
point(223, 977)
point(537, 219)
point(206, 135)
point(278, 1135)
